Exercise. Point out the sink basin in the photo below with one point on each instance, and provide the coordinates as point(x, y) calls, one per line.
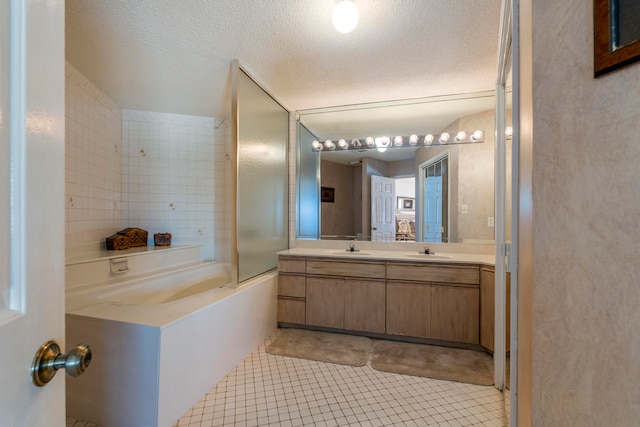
point(345, 252)
point(428, 256)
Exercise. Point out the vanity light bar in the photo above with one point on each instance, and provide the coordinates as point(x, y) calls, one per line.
point(411, 141)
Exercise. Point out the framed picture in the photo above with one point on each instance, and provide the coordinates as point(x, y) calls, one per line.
point(327, 194)
point(406, 203)
point(616, 34)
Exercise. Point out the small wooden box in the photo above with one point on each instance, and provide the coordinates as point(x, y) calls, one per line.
point(117, 242)
point(162, 239)
point(138, 236)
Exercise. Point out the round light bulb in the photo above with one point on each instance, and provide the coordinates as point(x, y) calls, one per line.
point(460, 136)
point(477, 135)
point(381, 143)
point(444, 137)
point(413, 139)
point(330, 145)
point(343, 144)
point(370, 142)
point(317, 145)
point(397, 140)
point(345, 16)
point(428, 139)
point(356, 142)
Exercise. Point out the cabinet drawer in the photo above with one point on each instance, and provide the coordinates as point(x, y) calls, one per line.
point(372, 270)
point(291, 285)
point(434, 273)
point(291, 265)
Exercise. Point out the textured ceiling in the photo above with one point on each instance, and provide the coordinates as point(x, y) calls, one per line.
point(175, 55)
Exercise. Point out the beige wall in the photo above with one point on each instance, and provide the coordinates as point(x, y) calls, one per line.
point(585, 165)
point(338, 217)
point(476, 178)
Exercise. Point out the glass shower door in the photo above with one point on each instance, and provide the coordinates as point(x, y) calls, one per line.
point(262, 178)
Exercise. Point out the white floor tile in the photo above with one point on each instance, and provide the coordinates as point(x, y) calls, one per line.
point(269, 390)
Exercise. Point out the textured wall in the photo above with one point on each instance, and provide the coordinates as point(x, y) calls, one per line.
point(586, 228)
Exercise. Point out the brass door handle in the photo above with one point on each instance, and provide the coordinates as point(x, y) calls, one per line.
point(48, 360)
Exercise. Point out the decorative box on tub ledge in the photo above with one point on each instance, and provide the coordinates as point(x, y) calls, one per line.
point(162, 239)
point(138, 236)
point(117, 242)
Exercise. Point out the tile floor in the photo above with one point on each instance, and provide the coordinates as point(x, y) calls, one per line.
point(268, 390)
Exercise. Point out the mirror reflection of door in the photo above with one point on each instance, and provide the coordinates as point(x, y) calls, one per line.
point(434, 172)
point(383, 196)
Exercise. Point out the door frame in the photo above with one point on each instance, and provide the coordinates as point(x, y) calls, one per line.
point(507, 253)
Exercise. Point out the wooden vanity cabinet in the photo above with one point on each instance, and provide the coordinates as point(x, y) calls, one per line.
point(403, 298)
point(292, 290)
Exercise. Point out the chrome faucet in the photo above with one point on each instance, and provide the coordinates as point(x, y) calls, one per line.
point(352, 248)
point(427, 251)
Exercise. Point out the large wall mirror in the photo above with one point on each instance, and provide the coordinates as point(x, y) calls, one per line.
point(337, 200)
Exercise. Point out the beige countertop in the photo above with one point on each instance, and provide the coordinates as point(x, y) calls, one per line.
point(406, 256)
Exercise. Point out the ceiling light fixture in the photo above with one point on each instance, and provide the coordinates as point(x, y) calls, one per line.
point(381, 143)
point(345, 16)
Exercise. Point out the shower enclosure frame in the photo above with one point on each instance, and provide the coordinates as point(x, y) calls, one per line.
point(236, 70)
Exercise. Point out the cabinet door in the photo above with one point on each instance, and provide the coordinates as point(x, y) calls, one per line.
point(408, 309)
point(291, 310)
point(455, 313)
point(325, 302)
point(487, 308)
point(364, 305)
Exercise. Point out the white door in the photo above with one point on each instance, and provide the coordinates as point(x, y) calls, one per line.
point(31, 206)
point(383, 196)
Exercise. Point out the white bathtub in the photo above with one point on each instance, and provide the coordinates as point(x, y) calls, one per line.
point(160, 342)
point(171, 287)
